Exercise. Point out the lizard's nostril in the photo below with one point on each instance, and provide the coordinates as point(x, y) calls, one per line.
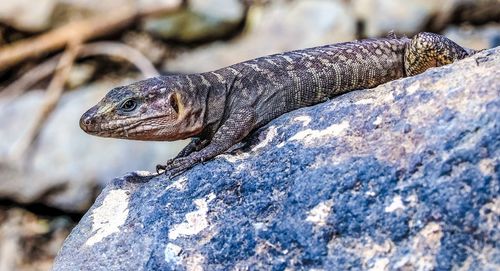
point(86, 121)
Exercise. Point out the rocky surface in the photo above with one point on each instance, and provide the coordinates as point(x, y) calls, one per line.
point(403, 176)
point(67, 167)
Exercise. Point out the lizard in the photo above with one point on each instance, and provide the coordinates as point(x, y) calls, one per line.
point(218, 109)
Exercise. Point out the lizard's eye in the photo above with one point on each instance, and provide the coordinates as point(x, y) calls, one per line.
point(128, 105)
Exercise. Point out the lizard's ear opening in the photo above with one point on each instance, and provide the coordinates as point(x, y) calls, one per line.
point(173, 101)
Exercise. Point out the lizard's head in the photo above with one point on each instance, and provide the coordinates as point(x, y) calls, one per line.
point(152, 109)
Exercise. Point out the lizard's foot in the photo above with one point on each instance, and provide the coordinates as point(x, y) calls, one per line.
point(174, 167)
point(160, 168)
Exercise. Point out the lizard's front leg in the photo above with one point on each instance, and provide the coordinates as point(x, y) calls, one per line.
point(235, 128)
point(196, 144)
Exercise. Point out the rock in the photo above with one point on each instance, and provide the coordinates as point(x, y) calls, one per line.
point(402, 176)
point(68, 166)
point(27, 15)
point(277, 27)
point(30, 242)
point(477, 11)
point(202, 20)
point(486, 36)
point(409, 17)
point(151, 5)
point(381, 16)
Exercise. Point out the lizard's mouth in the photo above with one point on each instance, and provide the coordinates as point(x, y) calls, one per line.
point(121, 128)
point(95, 125)
point(140, 128)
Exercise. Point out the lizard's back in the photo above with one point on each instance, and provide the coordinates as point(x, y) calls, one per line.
point(280, 83)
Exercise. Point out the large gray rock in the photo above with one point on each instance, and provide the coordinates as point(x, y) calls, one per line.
point(404, 176)
point(67, 166)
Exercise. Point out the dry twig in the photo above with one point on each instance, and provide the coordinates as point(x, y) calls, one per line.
point(82, 30)
point(60, 37)
point(52, 96)
point(46, 68)
point(123, 51)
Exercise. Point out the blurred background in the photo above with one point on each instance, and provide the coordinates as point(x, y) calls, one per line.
point(59, 57)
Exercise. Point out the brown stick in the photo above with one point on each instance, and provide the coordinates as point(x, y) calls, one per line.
point(52, 96)
point(58, 38)
point(123, 51)
point(97, 48)
point(29, 78)
point(80, 30)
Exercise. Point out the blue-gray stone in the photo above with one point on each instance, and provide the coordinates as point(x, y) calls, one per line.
point(403, 176)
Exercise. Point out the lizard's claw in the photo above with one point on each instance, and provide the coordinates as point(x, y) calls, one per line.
point(160, 168)
point(174, 167)
point(163, 167)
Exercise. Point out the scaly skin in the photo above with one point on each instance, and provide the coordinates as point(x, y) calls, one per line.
point(220, 108)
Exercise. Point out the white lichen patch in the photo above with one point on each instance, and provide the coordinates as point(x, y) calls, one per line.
point(258, 226)
point(110, 216)
point(194, 262)
point(143, 173)
point(304, 119)
point(396, 204)
point(196, 221)
point(485, 257)
point(281, 145)
point(234, 158)
point(370, 193)
point(425, 246)
point(380, 264)
point(271, 133)
point(411, 89)
point(371, 253)
point(172, 253)
point(412, 200)
point(490, 213)
point(179, 184)
point(377, 121)
point(308, 136)
point(319, 214)
point(372, 250)
point(365, 101)
point(487, 167)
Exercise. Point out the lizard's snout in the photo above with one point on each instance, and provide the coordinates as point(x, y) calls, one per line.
point(87, 121)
